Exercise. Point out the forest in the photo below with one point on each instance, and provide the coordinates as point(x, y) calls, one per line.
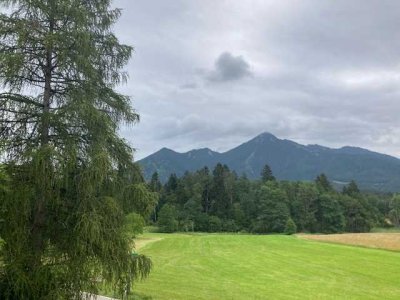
point(221, 201)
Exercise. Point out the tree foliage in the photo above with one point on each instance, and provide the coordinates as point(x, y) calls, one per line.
point(221, 201)
point(273, 211)
point(266, 174)
point(71, 177)
point(290, 227)
point(394, 213)
point(167, 219)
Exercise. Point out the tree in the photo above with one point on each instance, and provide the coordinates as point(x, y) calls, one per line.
point(357, 218)
point(167, 219)
point(221, 192)
point(172, 183)
point(206, 182)
point(394, 213)
point(214, 224)
point(190, 210)
point(304, 206)
point(266, 174)
point(273, 209)
point(71, 180)
point(290, 227)
point(155, 184)
point(351, 190)
point(134, 224)
point(329, 214)
point(323, 183)
point(3, 180)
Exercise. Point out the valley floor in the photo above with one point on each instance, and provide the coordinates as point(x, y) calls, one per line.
point(223, 266)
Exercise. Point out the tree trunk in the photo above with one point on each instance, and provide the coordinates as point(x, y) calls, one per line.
point(39, 213)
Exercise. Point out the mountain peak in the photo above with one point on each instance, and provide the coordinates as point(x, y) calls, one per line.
point(203, 152)
point(287, 159)
point(165, 150)
point(265, 137)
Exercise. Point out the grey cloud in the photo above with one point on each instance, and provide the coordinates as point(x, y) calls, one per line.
point(229, 67)
point(325, 72)
point(188, 86)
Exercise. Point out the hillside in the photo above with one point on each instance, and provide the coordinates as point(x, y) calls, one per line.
point(288, 161)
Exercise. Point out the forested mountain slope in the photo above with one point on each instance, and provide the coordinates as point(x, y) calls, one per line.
point(288, 161)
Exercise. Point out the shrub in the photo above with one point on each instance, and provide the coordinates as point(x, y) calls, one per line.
point(201, 222)
point(214, 224)
point(229, 226)
point(290, 227)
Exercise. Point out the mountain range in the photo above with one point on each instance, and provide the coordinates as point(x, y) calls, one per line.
point(288, 161)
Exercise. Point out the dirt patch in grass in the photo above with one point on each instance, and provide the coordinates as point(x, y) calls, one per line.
point(388, 241)
point(140, 242)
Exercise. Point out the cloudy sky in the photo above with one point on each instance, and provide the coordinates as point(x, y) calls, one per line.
point(216, 73)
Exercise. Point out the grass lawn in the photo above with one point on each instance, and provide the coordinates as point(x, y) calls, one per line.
point(221, 266)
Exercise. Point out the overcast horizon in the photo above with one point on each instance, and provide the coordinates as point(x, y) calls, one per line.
point(217, 73)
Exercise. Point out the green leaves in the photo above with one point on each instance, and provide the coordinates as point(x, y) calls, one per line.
point(71, 177)
point(4, 180)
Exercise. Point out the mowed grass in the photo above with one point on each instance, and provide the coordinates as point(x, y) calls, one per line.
point(221, 266)
point(389, 241)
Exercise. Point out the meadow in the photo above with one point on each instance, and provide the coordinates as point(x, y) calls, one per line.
point(379, 240)
point(223, 266)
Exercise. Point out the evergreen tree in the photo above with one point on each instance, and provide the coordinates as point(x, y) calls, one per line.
point(206, 182)
point(323, 183)
point(155, 184)
point(290, 227)
point(71, 176)
point(221, 197)
point(266, 174)
point(351, 190)
point(172, 183)
point(4, 180)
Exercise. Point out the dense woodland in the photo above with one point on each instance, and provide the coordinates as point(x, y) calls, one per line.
point(220, 200)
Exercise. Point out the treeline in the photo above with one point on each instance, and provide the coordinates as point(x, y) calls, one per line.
point(220, 200)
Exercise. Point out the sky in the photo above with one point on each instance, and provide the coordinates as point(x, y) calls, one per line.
point(217, 73)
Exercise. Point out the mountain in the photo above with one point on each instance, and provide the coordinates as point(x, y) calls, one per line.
point(288, 161)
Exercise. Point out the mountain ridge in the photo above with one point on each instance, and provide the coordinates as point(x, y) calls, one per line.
point(288, 160)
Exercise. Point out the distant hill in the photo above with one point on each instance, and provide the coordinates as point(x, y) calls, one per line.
point(288, 161)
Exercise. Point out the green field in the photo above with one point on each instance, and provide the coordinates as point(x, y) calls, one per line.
point(220, 266)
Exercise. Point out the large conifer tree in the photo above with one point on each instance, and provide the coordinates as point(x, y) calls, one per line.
point(70, 177)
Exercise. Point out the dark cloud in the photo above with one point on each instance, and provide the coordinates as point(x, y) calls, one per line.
point(325, 72)
point(229, 67)
point(188, 86)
